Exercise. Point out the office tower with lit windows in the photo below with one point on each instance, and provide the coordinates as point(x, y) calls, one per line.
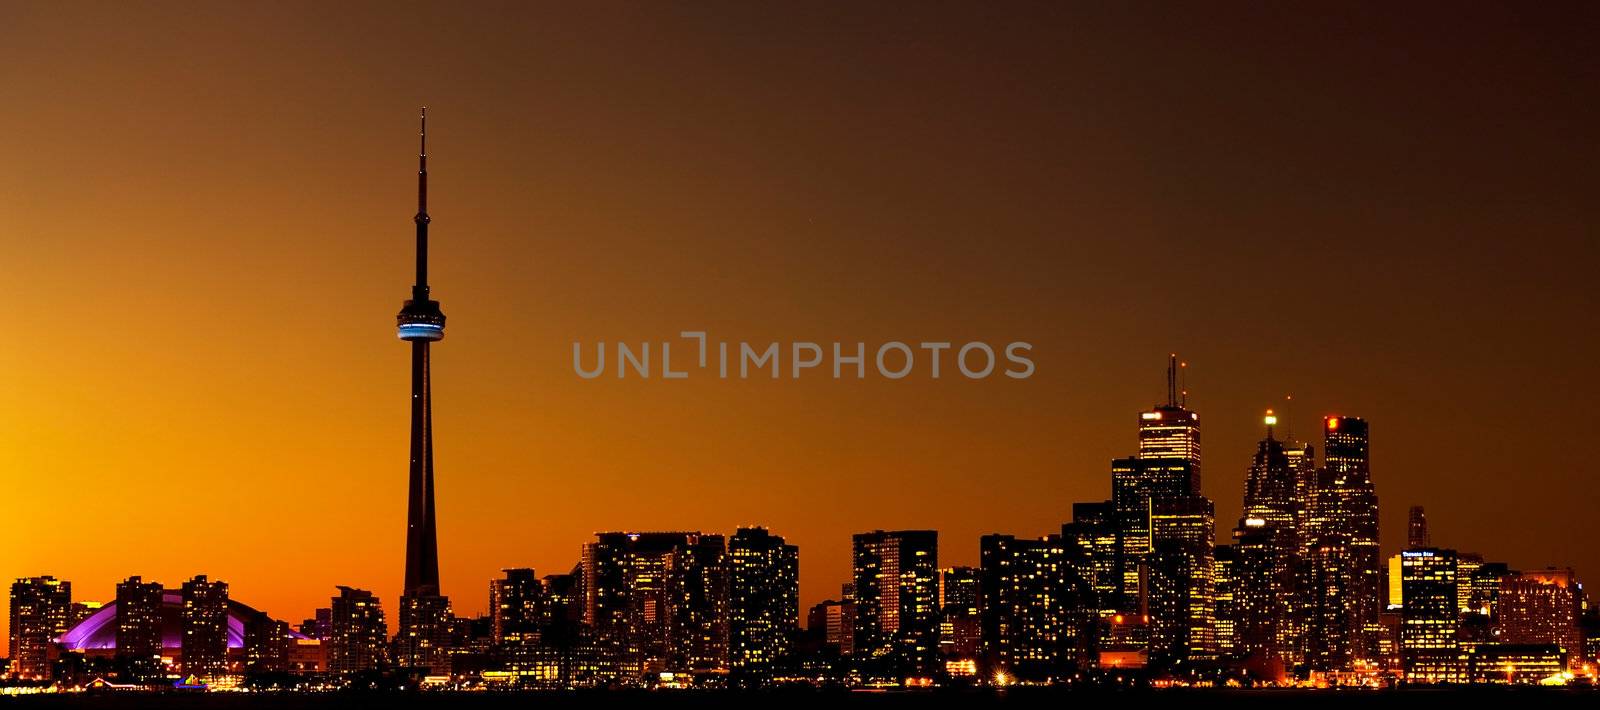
point(139, 627)
point(1179, 588)
point(1417, 529)
point(1302, 460)
point(205, 628)
point(1430, 619)
point(1170, 430)
point(763, 602)
point(267, 643)
point(897, 603)
point(1485, 583)
point(1467, 566)
point(960, 626)
point(1036, 605)
point(1542, 607)
point(1225, 583)
point(1167, 465)
point(1094, 532)
point(1332, 630)
point(357, 633)
point(1270, 484)
point(424, 636)
point(833, 623)
point(1134, 483)
point(516, 606)
point(1271, 615)
point(1343, 555)
point(658, 600)
point(41, 610)
point(563, 600)
point(1266, 609)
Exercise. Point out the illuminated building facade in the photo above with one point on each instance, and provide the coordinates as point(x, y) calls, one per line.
point(960, 625)
point(1225, 581)
point(41, 610)
point(1267, 542)
point(516, 606)
point(138, 630)
point(268, 644)
point(1467, 566)
point(763, 601)
point(357, 634)
point(1134, 483)
point(205, 628)
point(424, 636)
point(659, 600)
point(1170, 430)
point(1542, 607)
point(1178, 588)
point(1343, 555)
point(833, 622)
point(896, 599)
point(1517, 663)
point(1428, 648)
point(1094, 532)
point(1036, 607)
point(1264, 608)
point(1332, 631)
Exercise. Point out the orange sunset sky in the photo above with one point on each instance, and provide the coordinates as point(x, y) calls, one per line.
point(205, 232)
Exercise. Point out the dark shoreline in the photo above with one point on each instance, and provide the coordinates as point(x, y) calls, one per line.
point(1011, 697)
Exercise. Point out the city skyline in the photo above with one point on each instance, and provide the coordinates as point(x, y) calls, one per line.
point(1354, 255)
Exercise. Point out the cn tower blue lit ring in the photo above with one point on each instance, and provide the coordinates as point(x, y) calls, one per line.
point(421, 331)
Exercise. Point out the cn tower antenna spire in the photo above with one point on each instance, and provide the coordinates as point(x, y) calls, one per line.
point(422, 167)
point(419, 292)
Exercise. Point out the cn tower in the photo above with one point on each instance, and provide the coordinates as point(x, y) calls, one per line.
point(421, 323)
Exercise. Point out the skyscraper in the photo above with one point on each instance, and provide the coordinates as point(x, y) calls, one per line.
point(1345, 516)
point(1167, 465)
point(139, 627)
point(425, 633)
point(424, 630)
point(960, 630)
point(1170, 430)
point(896, 599)
point(1430, 619)
point(1270, 612)
point(267, 644)
point(1542, 607)
point(205, 628)
point(41, 610)
point(1036, 606)
point(1134, 483)
point(358, 633)
point(659, 599)
point(516, 606)
point(1417, 529)
point(833, 623)
point(1094, 531)
point(763, 601)
point(1179, 587)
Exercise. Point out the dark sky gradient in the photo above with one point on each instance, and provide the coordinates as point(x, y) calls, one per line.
point(1386, 210)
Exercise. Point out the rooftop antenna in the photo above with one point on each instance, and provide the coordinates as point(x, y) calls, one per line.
point(1172, 379)
point(1288, 414)
point(1183, 385)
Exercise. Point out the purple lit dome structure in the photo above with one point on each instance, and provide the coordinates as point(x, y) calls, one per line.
point(99, 631)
